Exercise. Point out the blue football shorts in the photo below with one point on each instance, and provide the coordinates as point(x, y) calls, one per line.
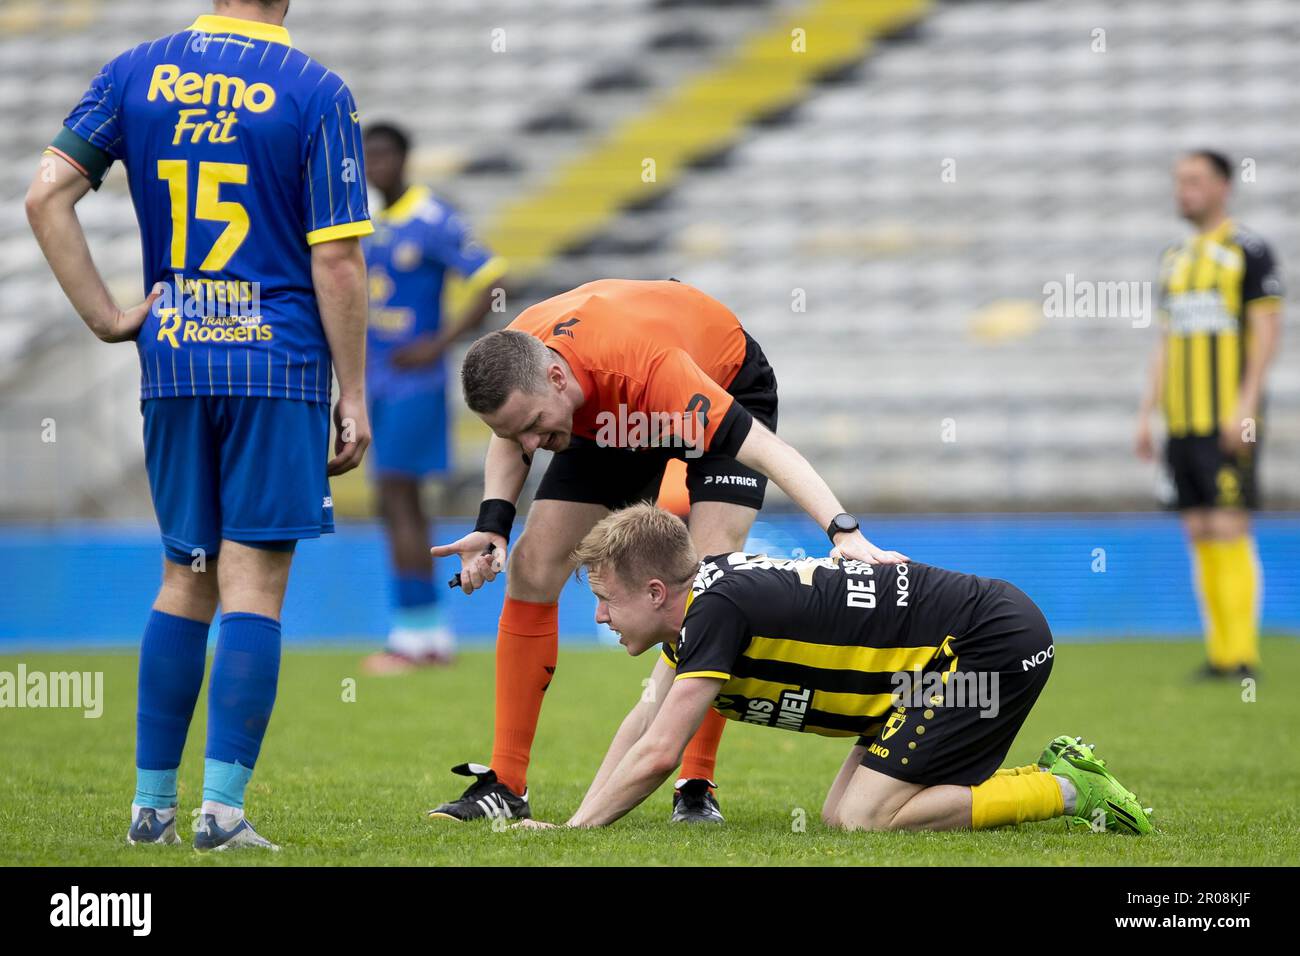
point(235, 468)
point(410, 435)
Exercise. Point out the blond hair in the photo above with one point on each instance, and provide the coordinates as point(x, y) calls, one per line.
point(640, 543)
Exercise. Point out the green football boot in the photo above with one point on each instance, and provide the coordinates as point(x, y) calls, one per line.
point(1101, 801)
point(1052, 752)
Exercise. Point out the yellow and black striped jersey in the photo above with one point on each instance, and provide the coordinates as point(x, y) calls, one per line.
point(1206, 282)
point(814, 645)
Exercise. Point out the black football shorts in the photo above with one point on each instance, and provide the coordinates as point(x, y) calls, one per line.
point(958, 729)
point(1205, 476)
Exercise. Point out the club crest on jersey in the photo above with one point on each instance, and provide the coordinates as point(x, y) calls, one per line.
point(894, 724)
point(406, 256)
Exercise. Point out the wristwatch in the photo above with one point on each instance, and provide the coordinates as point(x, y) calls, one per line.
point(840, 524)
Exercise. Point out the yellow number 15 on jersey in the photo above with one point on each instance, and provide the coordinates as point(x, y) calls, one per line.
point(208, 206)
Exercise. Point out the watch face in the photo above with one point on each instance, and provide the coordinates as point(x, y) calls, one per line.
point(845, 523)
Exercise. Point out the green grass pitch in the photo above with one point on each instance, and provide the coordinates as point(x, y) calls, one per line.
point(344, 782)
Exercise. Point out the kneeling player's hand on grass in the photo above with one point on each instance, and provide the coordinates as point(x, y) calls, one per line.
point(477, 564)
point(533, 825)
point(852, 546)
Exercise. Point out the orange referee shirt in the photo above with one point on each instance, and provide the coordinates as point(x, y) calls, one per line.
point(647, 347)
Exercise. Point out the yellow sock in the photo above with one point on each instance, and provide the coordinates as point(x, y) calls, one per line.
point(1206, 578)
point(1238, 586)
point(1015, 798)
point(1016, 771)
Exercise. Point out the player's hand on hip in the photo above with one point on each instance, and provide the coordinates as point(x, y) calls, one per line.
point(125, 325)
point(477, 565)
point(352, 437)
point(851, 546)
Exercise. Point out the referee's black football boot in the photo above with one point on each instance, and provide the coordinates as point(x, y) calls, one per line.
point(486, 798)
point(694, 802)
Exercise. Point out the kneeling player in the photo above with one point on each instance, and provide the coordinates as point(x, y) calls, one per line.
point(933, 672)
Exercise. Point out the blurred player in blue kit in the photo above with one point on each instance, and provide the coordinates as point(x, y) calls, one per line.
point(418, 239)
point(244, 161)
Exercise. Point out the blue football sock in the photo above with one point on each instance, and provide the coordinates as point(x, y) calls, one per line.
point(225, 782)
point(416, 614)
point(155, 788)
point(172, 656)
point(241, 695)
point(414, 590)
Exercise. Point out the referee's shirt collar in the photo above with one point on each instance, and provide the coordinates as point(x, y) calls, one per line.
point(253, 29)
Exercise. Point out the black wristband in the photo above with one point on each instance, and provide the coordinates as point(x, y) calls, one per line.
point(496, 515)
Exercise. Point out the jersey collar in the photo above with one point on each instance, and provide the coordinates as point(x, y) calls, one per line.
point(253, 29)
point(405, 207)
point(1219, 234)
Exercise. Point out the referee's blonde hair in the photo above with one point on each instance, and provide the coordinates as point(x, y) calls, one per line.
point(640, 543)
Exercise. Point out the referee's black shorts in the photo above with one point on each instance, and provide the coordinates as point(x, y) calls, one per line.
point(618, 477)
point(996, 670)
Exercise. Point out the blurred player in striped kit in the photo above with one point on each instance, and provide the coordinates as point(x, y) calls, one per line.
point(1220, 305)
point(244, 161)
point(418, 239)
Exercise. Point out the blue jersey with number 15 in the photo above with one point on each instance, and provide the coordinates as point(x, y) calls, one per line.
point(241, 153)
